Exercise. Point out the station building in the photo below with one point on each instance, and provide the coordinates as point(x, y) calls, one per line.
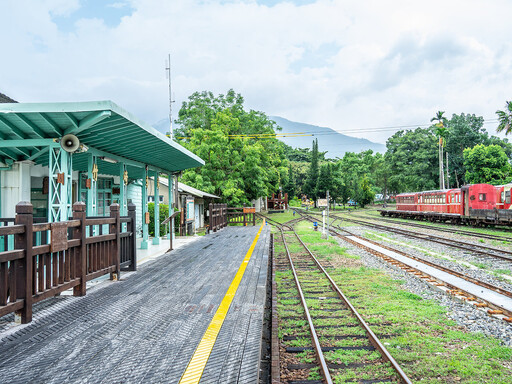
point(191, 202)
point(54, 154)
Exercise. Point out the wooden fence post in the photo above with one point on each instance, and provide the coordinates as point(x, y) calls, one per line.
point(254, 217)
point(23, 241)
point(81, 251)
point(116, 246)
point(133, 239)
point(210, 217)
point(215, 217)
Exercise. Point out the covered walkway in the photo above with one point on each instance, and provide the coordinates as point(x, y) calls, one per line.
point(53, 154)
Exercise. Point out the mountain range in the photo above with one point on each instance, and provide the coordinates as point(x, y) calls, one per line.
point(335, 143)
point(330, 141)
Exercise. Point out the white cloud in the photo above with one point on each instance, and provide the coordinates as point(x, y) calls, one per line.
point(397, 61)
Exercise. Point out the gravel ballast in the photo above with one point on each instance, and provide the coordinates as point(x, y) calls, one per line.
point(464, 314)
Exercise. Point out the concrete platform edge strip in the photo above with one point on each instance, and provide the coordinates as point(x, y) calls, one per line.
point(197, 363)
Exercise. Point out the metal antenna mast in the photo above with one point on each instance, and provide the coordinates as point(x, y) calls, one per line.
point(168, 75)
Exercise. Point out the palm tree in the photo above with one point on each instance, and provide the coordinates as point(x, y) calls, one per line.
point(441, 132)
point(505, 119)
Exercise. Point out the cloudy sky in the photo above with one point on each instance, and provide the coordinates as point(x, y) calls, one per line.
point(348, 65)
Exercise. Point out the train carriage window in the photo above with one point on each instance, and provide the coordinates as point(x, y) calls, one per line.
point(502, 197)
point(482, 196)
point(507, 197)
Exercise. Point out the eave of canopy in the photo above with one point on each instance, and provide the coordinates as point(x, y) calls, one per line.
point(26, 130)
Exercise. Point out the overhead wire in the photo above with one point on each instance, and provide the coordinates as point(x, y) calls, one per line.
point(334, 132)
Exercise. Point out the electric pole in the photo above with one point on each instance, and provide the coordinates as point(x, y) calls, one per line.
point(168, 75)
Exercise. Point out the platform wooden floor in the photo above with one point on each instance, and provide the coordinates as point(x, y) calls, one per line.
point(144, 328)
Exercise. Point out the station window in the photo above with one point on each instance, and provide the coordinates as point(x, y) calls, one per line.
point(482, 196)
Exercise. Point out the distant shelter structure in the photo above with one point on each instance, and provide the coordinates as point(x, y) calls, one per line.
point(277, 203)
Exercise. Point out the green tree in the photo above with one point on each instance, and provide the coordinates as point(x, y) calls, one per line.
point(163, 213)
point(487, 164)
point(412, 158)
point(311, 184)
point(505, 119)
point(238, 166)
point(465, 131)
point(366, 195)
point(291, 185)
point(325, 179)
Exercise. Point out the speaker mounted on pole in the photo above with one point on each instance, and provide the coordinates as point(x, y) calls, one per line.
point(69, 143)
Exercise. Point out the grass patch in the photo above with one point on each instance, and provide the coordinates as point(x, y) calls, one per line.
point(428, 345)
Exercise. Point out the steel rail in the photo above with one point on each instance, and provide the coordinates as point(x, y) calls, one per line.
point(434, 265)
point(440, 229)
point(444, 269)
point(480, 249)
point(314, 336)
point(374, 340)
point(370, 334)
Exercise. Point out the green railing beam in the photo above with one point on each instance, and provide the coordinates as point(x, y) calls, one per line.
point(26, 143)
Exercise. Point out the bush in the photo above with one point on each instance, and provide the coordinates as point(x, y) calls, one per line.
point(164, 214)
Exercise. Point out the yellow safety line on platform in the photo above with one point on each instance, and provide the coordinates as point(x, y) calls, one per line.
point(201, 355)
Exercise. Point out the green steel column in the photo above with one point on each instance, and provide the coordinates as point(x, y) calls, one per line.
point(79, 192)
point(91, 191)
point(122, 190)
point(156, 239)
point(67, 169)
point(171, 210)
point(59, 184)
point(145, 235)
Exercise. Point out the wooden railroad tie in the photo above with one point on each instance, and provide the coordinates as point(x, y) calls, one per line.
point(495, 312)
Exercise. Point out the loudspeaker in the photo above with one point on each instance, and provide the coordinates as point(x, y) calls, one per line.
point(69, 143)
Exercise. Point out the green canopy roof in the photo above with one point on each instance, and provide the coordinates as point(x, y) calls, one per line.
point(26, 130)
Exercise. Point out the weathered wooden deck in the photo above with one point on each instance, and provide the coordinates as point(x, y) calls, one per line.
point(145, 328)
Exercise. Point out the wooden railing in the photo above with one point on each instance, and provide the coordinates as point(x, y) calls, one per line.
point(244, 215)
point(73, 255)
point(218, 216)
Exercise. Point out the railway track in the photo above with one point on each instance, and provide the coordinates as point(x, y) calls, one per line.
point(333, 324)
point(495, 300)
point(481, 250)
point(457, 231)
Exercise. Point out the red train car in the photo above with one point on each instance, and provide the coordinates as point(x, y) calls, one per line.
point(444, 201)
point(407, 202)
point(478, 196)
point(472, 204)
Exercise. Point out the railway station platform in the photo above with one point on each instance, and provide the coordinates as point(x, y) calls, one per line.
point(146, 327)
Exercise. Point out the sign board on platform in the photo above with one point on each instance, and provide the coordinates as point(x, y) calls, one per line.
point(190, 208)
point(321, 203)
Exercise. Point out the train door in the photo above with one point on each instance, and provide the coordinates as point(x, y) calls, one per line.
point(465, 201)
